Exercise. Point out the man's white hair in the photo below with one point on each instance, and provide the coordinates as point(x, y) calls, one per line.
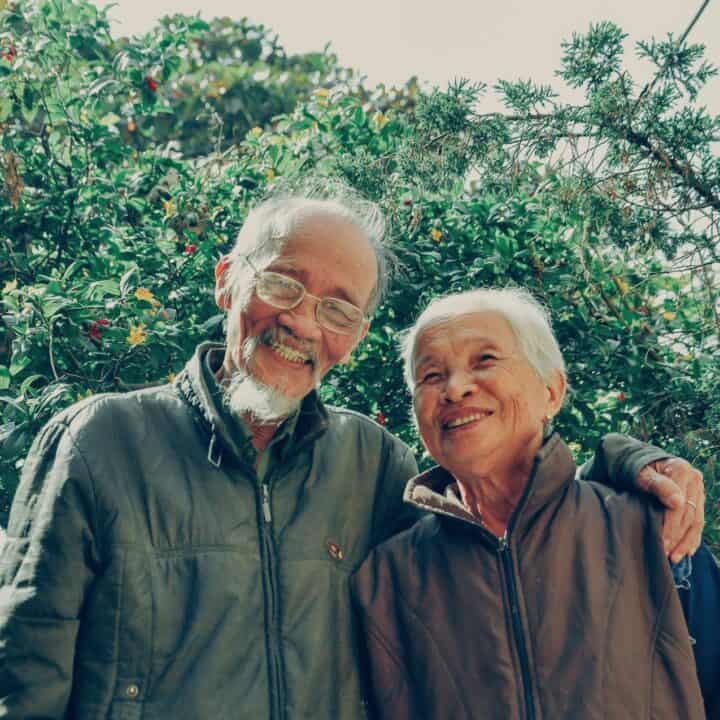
point(272, 223)
point(528, 320)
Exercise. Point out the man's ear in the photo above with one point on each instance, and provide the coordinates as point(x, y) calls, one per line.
point(556, 390)
point(222, 300)
point(360, 337)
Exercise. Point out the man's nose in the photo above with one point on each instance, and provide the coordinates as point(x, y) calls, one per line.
point(302, 319)
point(459, 384)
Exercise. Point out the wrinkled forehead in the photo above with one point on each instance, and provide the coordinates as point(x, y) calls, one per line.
point(333, 248)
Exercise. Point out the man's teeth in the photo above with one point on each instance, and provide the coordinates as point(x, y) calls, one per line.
point(465, 420)
point(289, 353)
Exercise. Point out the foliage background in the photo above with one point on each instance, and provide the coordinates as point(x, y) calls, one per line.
point(128, 166)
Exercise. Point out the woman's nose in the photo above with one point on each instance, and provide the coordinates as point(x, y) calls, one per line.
point(459, 384)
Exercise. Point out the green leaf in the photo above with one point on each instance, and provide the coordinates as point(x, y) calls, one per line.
point(5, 378)
point(18, 364)
point(6, 108)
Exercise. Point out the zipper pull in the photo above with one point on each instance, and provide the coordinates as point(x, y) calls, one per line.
point(266, 503)
point(503, 543)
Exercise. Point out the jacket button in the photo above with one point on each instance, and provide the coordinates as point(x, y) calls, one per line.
point(132, 691)
point(334, 550)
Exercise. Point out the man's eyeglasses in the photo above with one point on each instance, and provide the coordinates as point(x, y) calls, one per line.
point(281, 291)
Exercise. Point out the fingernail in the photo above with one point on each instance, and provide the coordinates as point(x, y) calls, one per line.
point(676, 557)
point(677, 499)
point(666, 546)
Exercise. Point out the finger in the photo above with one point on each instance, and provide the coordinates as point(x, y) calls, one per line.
point(674, 527)
point(664, 488)
point(691, 529)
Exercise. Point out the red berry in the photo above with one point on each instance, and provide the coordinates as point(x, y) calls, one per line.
point(151, 83)
point(190, 249)
point(621, 397)
point(380, 418)
point(407, 202)
point(96, 326)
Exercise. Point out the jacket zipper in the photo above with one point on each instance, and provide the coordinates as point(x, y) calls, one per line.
point(272, 616)
point(506, 560)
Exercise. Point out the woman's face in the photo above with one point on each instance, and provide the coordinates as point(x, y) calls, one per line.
point(479, 403)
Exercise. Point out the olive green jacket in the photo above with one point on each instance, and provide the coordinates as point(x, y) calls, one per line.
point(151, 572)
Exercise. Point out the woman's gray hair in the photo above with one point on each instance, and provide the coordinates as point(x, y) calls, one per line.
point(528, 319)
point(269, 226)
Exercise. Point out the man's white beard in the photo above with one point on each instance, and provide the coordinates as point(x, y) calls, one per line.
point(244, 395)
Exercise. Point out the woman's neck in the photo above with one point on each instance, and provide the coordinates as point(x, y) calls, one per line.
point(493, 496)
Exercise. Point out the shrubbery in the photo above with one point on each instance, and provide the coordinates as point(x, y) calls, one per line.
point(129, 166)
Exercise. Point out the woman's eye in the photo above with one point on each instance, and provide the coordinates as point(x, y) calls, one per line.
point(430, 377)
point(485, 359)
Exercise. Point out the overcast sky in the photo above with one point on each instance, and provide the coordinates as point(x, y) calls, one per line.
point(391, 40)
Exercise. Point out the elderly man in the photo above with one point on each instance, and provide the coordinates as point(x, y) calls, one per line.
point(184, 551)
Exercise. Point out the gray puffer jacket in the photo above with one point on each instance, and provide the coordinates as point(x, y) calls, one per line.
point(150, 573)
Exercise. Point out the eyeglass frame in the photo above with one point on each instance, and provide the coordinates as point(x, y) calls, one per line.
point(364, 319)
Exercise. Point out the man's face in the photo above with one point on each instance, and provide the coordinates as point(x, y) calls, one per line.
point(287, 350)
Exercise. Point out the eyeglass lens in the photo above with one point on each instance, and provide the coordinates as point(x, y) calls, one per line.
point(285, 292)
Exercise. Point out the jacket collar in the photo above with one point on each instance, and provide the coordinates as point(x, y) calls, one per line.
point(213, 421)
point(436, 491)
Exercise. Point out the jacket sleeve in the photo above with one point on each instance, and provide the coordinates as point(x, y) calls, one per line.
point(700, 598)
point(617, 461)
point(391, 515)
point(46, 565)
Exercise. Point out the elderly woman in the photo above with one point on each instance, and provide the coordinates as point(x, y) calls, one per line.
point(525, 593)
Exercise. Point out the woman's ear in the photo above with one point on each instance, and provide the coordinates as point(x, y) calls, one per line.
point(222, 299)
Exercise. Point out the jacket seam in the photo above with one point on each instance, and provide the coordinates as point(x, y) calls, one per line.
point(102, 547)
point(654, 652)
point(116, 634)
point(385, 461)
point(606, 639)
point(440, 655)
point(374, 630)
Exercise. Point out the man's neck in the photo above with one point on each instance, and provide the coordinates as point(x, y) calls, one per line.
point(262, 433)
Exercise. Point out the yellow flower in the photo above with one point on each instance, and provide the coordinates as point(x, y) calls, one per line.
point(170, 377)
point(322, 95)
point(436, 234)
point(669, 315)
point(270, 174)
point(144, 294)
point(137, 335)
point(169, 206)
point(380, 119)
point(256, 131)
point(10, 285)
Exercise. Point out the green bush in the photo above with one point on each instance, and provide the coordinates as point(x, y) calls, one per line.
point(129, 166)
